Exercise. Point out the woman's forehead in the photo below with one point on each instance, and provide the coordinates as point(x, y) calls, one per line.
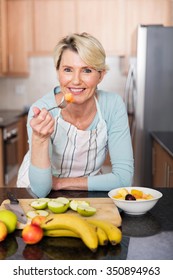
point(70, 57)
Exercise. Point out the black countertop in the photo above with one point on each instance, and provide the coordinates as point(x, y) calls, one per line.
point(148, 237)
point(165, 139)
point(8, 117)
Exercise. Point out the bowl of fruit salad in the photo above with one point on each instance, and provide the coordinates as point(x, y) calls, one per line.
point(135, 200)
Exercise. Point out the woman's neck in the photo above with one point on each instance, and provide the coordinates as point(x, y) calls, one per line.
point(80, 116)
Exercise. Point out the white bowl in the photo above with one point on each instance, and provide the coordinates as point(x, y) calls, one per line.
point(136, 207)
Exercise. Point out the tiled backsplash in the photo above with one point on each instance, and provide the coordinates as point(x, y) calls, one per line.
point(17, 93)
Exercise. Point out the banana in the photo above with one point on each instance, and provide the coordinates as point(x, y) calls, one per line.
point(74, 223)
point(101, 234)
point(114, 233)
point(60, 233)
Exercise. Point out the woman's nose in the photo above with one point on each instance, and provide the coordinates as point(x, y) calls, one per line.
point(76, 77)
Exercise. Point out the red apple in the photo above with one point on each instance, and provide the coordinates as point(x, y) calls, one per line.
point(38, 220)
point(32, 234)
point(3, 231)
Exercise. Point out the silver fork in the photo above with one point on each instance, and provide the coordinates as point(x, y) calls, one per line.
point(61, 105)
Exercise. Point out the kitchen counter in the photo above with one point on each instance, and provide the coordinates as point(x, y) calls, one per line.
point(149, 236)
point(8, 117)
point(165, 139)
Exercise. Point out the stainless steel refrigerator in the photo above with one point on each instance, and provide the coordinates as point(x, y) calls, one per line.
point(153, 100)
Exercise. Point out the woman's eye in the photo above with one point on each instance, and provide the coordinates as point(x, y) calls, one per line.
point(67, 69)
point(87, 70)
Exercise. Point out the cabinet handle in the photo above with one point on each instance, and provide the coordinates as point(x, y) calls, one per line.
point(153, 161)
point(10, 62)
point(169, 172)
point(165, 174)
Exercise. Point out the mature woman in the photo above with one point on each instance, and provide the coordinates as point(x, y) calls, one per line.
point(68, 146)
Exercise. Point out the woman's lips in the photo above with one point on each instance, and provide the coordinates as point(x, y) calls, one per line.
point(76, 91)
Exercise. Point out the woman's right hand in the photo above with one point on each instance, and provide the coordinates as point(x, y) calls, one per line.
point(42, 124)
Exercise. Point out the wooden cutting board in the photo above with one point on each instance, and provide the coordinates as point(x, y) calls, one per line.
point(106, 209)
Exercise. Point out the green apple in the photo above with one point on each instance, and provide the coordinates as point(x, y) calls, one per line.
point(86, 210)
point(61, 199)
point(33, 213)
point(9, 219)
point(75, 203)
point(39, 204)
point(44, 199)
point(58, 207)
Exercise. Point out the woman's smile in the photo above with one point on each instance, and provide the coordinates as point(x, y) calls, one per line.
point(76, 91)
point(76, 77)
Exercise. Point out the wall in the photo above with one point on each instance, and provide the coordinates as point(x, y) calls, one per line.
point(16, 93)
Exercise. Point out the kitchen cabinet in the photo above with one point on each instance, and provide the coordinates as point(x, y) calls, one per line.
point(116, 28)
point(3, 37)
point(52, 20)
point(33, 27)
point(64, 17)
point(144, 12)
point(14, 34)
point(105, 20)
point(16, 148)
point(113, 22)
point(17, 26)
point(162, 166)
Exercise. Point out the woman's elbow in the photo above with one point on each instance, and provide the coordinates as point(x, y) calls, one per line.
point(127, 180)
point(125, 176)
point(40, 192)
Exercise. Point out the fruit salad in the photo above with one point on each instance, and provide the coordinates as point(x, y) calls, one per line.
point(134, 194)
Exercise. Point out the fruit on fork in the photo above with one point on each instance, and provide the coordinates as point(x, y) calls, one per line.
point(69, 97)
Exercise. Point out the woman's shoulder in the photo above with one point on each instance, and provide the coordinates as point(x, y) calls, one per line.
point(109, 100)
point(112, 107)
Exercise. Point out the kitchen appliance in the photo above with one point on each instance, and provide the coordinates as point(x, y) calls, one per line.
point(154, 94)
point(10, 152)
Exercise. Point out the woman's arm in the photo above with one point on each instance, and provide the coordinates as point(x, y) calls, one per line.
point(120, 150)
point(42, 124)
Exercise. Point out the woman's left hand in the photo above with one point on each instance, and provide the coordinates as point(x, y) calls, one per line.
point(69, 183)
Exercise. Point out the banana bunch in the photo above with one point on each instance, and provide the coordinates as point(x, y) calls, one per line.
point(75, 224)
point(93, 232)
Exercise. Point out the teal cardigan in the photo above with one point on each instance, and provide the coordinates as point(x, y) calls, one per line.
point(114, 112)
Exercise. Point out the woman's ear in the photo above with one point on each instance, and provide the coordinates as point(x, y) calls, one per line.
point(102, 74)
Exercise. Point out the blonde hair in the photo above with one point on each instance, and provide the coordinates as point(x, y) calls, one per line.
point(88, 47)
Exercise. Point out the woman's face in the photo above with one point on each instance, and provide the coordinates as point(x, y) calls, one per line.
point(78, 78)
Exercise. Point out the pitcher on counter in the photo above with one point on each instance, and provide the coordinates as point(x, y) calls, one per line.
point(74, 126)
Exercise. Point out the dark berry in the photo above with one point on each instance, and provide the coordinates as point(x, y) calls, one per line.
point(130, 197)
